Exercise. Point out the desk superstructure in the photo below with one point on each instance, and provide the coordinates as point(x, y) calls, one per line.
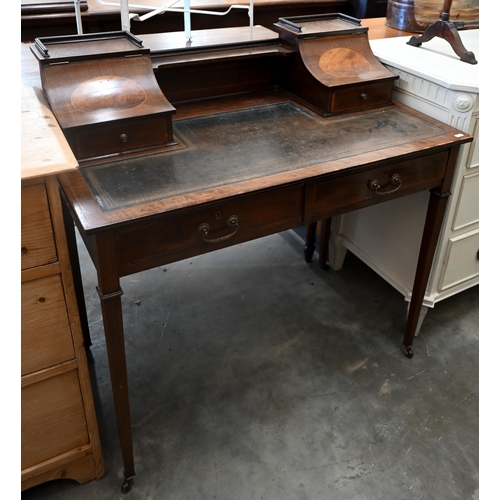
point(254, 156)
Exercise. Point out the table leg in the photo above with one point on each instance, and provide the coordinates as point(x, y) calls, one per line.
point(323, 243)
point(110, 294)
point(433, 222)
point(69, 227)
point(310, 244)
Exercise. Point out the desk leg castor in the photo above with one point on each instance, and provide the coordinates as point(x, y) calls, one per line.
point(127, 485)
point(408, 351)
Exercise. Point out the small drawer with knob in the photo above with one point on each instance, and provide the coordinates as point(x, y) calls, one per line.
point(358, 97)
point(121, 137)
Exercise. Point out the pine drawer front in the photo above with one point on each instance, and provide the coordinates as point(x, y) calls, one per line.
point(45, 331)
point(330, 197)
point(52, 418)
point(37, 238)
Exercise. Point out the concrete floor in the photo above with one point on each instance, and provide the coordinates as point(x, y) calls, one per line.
point(254, 375)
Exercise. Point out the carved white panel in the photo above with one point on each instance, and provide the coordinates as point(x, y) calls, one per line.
point(461, 261)
point(467, 212)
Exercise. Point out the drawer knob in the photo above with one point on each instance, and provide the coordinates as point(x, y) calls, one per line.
point(124, 137)
point(364, 96)
point(204, 228)
point(375, 186)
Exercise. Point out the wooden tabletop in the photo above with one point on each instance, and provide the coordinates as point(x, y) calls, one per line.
point(378, 29)
point(44, 150)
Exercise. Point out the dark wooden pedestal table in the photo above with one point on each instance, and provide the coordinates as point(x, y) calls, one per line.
point(243, 174)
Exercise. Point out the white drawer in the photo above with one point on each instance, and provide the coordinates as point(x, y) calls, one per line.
point(467, 211)
point(462, 262)
point(473, 155)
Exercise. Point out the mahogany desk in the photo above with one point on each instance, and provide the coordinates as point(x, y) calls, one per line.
point(142, 213)
point(248, 166)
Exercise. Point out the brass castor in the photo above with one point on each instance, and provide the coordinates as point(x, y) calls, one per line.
point(408, 351)
point(127, 485)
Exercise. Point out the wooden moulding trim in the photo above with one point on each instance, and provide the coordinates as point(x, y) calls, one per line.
point(53, 371)
point(52, 463)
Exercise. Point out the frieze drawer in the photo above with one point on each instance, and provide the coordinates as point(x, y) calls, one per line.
point(211, 227)
point(366, 188)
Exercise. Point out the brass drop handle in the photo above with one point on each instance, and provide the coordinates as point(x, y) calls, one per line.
point(124, 137)
point(364, 96)
point(204, 228)
point(375, 186)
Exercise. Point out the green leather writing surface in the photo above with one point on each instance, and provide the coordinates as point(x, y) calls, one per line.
point(231, 147)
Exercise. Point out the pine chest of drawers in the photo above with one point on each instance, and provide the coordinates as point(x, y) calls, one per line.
point(59, 435)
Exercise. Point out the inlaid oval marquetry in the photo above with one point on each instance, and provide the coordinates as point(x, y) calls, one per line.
point(344, 62)
point(107, 92)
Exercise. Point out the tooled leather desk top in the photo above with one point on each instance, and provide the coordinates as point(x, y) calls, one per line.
point(232, 147)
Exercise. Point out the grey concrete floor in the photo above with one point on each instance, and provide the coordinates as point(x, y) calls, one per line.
point(254, 375)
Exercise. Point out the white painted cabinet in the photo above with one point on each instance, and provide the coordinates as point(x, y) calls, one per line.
point(434, 81)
